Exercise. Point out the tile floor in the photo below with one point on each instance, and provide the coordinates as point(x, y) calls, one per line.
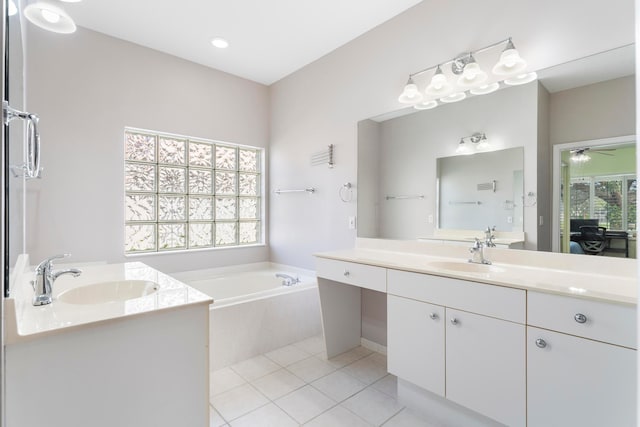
point(296, 385)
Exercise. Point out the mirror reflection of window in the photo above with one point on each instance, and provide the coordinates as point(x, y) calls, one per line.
point(600, 185)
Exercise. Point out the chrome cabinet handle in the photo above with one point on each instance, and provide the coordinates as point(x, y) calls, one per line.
point(32, 168)
point(541, 343)
point(346, 273)
point(433, 316)
point(454, 321)
point(580, 318)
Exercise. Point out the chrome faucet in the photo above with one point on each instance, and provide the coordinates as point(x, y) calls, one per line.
point(489, 236)
point(477, 253)
point(288, 280)
point(45, 276)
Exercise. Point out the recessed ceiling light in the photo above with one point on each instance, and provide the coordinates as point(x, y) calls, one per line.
point(220, 43)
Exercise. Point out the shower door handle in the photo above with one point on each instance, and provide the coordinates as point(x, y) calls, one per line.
point(32, 167)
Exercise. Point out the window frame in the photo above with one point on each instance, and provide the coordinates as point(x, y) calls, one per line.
point(186, 193)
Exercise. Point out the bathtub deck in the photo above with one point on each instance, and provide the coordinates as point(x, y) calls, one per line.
point(296, 385)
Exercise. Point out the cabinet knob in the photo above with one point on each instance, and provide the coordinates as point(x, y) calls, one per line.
point(580, 318)
point(541, 343)
point(434, 316)
point(454, 321)
point(346, 273)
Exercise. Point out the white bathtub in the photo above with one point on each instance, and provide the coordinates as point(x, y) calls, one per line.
point(253, 313)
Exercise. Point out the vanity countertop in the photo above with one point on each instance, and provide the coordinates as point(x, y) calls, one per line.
point(25, 321)
point(584, 276)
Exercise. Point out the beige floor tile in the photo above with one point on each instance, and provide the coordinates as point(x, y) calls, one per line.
point(313, 345)
point(255, 368)
point(338, 417)
point(304, 404)
point(278, 383)
point(338, 385)
point(373, 406)
point(267, 416)
point(287, 355)
point(238, 401)
point(311, 369)
point(388, 385)
point(224, 380)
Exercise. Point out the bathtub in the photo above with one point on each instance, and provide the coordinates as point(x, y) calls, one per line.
point(253, 313)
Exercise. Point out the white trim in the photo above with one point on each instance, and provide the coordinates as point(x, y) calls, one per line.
point(557, 148)
point(373, 346)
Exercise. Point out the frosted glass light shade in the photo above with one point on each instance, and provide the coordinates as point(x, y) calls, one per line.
point(410, 94)
point(463, 148)
point(485, 89)
point(483, 144)
point(426, 105)
point(49, 17)
point(521, 79)
point(472, 75)
point(510, 63)
point(439, 85)
point(11, 8)
point(454, 97)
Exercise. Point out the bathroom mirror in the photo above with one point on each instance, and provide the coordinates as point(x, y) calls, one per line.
point(482, 189)
point(584, 99)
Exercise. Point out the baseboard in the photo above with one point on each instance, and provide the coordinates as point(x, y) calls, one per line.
point(373, 346)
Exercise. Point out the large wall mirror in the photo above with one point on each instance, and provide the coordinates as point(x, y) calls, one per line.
point(402, 193)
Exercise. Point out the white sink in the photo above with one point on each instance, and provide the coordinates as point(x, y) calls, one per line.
point(105, 292)
point(466, 267)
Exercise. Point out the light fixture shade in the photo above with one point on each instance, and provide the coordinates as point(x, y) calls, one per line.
point(483, 144)
point(454, 97)
point(49, 17)
point(439, 85)
point(510, 62)
point(463, 148)
point(472, 75)
point(426, 105)
point(485, 89)
point(11, 8)
point(220, 43)
point(521, 79)
point(410, 94)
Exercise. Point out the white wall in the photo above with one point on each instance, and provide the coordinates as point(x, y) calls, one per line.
point(87, 87)
point(600, 110)
point(322, 103)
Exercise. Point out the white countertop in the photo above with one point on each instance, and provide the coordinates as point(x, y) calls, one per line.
point(25, 321)
point(591, 277)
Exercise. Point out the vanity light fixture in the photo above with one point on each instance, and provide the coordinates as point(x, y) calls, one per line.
point(479, 140)
point(49, 17)
point(467, 77)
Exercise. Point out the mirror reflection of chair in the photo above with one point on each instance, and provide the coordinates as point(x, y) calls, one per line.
point(592, 239)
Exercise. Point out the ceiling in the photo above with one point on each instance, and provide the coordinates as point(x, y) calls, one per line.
point(268, 39)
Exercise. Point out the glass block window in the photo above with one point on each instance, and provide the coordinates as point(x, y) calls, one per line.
point(184, 193)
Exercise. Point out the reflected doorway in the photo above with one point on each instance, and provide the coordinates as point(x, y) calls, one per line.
point(595, 204)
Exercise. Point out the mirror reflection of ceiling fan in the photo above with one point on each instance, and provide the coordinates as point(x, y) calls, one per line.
point(579, 155)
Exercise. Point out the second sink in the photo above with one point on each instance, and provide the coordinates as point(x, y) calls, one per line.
point(466, 267)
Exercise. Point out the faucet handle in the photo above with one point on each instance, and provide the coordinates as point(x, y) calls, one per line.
point(47, 262)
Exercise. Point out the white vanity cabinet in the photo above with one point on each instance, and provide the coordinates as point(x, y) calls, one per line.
point(581, 362)
point(459, 340)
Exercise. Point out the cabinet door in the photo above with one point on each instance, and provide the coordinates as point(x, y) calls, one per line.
point(415, 342)
point(485, 366)
point(575, 381)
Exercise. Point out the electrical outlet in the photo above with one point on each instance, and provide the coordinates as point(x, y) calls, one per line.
point(352, 223)
point(430, 219)
point(509, 220)
point(541, 220)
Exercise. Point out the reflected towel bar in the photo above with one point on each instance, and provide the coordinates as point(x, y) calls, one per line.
point(465, 203)
point(419, 196)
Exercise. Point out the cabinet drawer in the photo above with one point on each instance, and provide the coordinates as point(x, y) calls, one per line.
point(489, 300)
point(601, 321)
point(364, 276)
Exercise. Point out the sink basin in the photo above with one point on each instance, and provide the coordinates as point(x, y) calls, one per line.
point(466, 267)
point(105, 292)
